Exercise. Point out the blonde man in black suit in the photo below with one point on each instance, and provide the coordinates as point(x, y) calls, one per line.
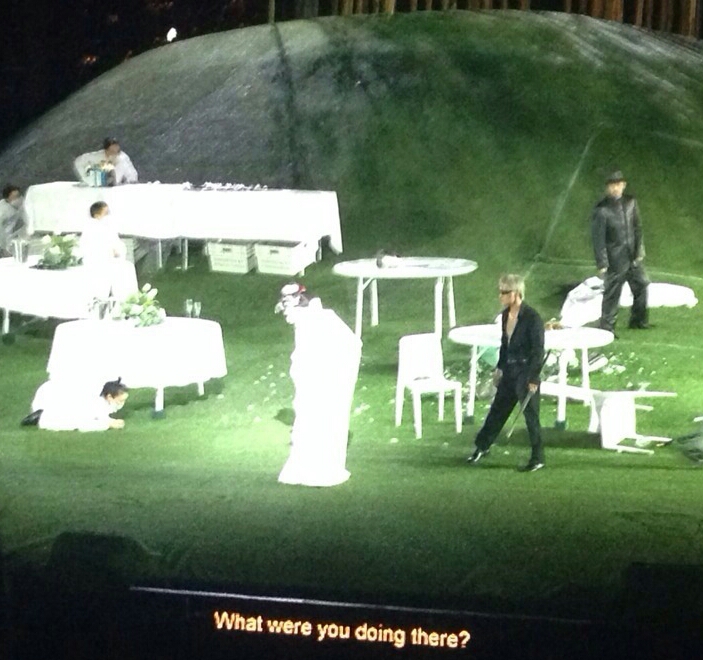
point(517, 374)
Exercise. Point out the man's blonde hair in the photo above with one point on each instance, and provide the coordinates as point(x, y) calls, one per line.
point(512, 283)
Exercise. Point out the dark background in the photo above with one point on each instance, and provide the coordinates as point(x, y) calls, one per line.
point(50, 48)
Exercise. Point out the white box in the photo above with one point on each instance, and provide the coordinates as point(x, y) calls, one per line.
point(232, 257)
point(282, 258)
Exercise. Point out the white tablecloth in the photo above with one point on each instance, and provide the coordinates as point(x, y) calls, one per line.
point(62, 294)
point(163, 211)
point(177, 352)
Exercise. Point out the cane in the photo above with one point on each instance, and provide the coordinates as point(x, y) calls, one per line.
point(523, 405)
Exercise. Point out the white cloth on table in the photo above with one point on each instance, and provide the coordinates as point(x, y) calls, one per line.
point(72, 406)
point(583, 303)
point(142, 357)
point(11, 223)
point(61, 294)
point(324, 369)
point(165, 211)
point(125, 172)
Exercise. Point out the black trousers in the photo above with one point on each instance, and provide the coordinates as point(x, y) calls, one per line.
point(636, 277)
point(511, 390)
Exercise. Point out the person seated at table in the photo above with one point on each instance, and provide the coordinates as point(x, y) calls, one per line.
point(66, 406)
point(111, 157)
point(104, 256)
point(11, 222)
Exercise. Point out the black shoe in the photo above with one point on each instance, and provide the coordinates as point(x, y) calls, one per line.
point(532, 466)
point(477, 456)
point(639, 326)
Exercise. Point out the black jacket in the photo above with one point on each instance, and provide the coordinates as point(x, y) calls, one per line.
point(526, 347)
point(617, 233)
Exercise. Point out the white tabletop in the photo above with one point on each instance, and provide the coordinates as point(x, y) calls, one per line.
point(62, 294)
point(406, 268)
point(177, 352)
point(163, 211)
point(557, 339)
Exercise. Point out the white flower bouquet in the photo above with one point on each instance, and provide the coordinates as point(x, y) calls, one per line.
point(59, 251)
point(142, 308)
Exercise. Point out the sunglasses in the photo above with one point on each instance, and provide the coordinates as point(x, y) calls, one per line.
point(503, 292)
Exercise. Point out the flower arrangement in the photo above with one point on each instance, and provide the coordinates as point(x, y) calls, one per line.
point(59, 251)
point(143, 308)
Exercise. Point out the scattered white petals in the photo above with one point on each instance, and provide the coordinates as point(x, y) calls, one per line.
point(394, 440)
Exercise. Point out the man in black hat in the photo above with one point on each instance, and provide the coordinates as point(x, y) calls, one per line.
point(619, 251)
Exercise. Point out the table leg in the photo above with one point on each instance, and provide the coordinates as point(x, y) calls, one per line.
point(561, 397)
point(585, 373)
point(374, 302)
point(438, 291)
point(201, 389)
point(5, 321)
point(160, 258)
point(184, 253)
point(451, 305)
point(359, 306)
point(159, 400)
point(473, 370)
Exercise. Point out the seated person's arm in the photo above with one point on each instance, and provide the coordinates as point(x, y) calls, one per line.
point(81, 165)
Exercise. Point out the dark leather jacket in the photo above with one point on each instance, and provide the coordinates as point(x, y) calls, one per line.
point(617, 233)
point(524, 353)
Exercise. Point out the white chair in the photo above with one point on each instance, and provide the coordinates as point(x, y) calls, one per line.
point(616, 414)
point(421, 370)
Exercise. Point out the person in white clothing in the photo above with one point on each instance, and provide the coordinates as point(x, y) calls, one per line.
point(61, 406)
point(111, 157)
point(324, 370)
point(103, 254)
point(11, 222)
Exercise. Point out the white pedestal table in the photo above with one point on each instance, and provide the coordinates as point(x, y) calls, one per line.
point(442, 270)
point(561, 340)
point(177, 352)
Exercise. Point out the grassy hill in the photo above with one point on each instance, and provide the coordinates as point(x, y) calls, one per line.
point(478, 135)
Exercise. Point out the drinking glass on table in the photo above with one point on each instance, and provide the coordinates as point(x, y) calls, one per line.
point(197, 307)
point(189, 307)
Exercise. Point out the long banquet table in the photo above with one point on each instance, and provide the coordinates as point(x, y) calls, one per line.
point(166, 211)
point(177, 352)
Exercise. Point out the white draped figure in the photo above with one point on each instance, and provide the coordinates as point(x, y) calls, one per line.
point(103, 254)
point(324, 369)
point(121, 168)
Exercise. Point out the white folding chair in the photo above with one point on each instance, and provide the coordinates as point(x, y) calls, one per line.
point(617, 418)
point(421, 370)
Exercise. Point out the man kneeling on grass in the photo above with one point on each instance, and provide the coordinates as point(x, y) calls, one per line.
point(66, 407)
point(517, 374)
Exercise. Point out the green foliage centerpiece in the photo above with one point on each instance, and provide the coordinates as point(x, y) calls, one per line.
point(142, 308)
point(59, 252)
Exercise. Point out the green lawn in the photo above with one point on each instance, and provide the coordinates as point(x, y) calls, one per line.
point(477, 135)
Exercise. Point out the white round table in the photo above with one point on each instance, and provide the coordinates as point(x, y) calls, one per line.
point(177, 352)
point(440, 269)
point(577, 339)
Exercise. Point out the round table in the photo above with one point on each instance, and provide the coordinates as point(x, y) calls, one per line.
point(577, 339)
point(177, 352)
point(440, 269)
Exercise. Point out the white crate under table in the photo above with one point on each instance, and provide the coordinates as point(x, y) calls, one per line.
point(285, 258)
point(231, 256)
